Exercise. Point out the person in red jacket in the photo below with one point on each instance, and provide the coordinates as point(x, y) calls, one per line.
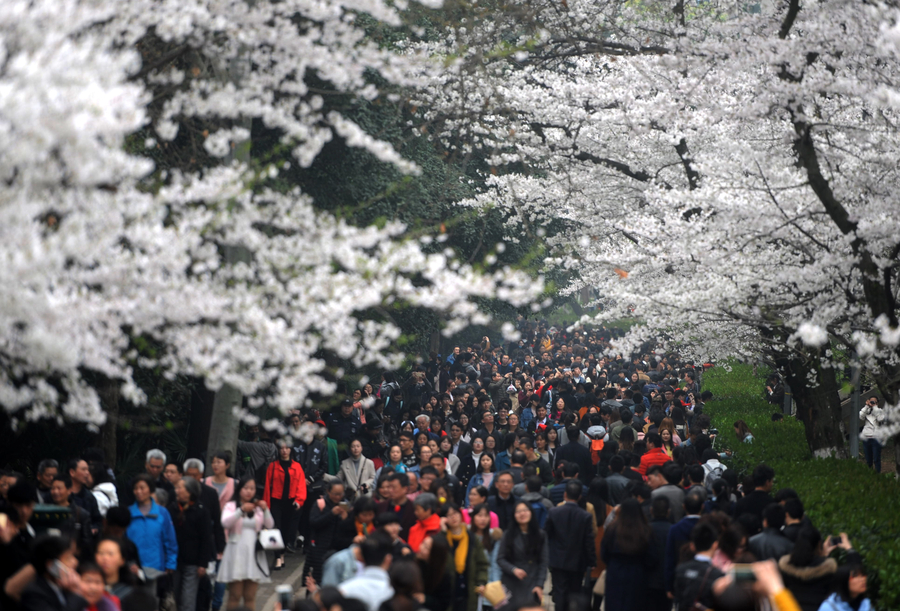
point(285, 494)
point(655, 455)
point(427, 520)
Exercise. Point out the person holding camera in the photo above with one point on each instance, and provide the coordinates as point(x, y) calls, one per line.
point(357, 472)
point(285, 493)
point(871, 417)
point(244, 567)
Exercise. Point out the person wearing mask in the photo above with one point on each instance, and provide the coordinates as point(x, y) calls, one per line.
point(193, 532)
point(243, 567)
point(285, 493)
point(358, 472)
point(152, 530)
point(570, 541)
point(524, 556)
point(80, 474)
point(694, 579)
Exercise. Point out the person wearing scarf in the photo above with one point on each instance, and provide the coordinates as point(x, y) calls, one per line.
point(427, 521)
point(470, 562)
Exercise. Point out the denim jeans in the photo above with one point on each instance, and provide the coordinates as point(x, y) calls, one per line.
point(872, 449)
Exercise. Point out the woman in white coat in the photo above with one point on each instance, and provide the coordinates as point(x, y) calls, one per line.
point(357, 472)
point(243, 568)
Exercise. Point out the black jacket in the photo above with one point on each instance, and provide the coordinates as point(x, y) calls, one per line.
point(505, 510)
point(313, 457)
point(342, 429)
point(693, 583)
point(770, 544)
point(193, 530)
point(209, 498)
point(656, 579)
point(85, 499)
point(40, 596)
point(570, 538)
point(573, 451)
point(323, 524)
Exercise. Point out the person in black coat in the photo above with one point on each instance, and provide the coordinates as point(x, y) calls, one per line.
point(694, 579)
point(626, 551)
point(770, 544)
point(53, 588)
point(752, 504)
point(193, 531)
point(325, 518)
point(573, 451)
point(657, 598)
point(571, 545)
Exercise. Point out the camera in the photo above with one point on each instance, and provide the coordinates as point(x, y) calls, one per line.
point(713, 431)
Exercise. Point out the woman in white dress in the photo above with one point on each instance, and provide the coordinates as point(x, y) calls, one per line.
point(243, 568)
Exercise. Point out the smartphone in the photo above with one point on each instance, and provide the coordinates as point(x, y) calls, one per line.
point(57, 569)
point(743, 573)
point(285, 595)
point(345, 504)
point(835, 540)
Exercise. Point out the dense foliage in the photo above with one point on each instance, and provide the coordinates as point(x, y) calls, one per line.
point(838, 495)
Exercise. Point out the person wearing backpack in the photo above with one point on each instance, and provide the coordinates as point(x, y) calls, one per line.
point(540, 505)
point(712, 467)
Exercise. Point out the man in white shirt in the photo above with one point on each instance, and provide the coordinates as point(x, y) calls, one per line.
point(372, 586)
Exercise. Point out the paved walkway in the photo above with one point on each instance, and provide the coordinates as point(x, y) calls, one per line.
point(292, 573)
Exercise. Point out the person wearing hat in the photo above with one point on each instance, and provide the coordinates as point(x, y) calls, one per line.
point(373, 442)
point(343, 426)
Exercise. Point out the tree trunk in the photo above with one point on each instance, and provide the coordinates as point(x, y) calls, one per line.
point(224, 425)
point(199, 421)
point(109, 399)
point(818, 406)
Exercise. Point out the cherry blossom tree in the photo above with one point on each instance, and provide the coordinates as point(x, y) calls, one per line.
point(106, 236)
point(725, 175)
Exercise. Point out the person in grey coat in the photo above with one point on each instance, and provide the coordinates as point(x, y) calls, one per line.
point(524, 556)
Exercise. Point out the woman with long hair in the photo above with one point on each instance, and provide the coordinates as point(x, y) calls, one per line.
point(432, 557)
point(110, 558)
point(850, 585)
point(468, 563)
point(524, 556)
point(542, 447)
point(743, 432)
point(667, 434)
point(446, 448)
point(483, 525)
point(809, 571)
point(220, 480)
point(598, 498)
point(357, 472)
point(479, 496)
point(285, 493)
point(552, 440)
point(243, 568)
point(484, 476)
point(626, 551)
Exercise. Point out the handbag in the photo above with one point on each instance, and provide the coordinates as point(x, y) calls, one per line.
point(495, 593)
point(600, 584)
point(270, 539)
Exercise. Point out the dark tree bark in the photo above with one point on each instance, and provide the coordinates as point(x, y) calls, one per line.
point(818, 405)
point(200, 418)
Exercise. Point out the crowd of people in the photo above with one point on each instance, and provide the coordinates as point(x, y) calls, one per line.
point(477, 481)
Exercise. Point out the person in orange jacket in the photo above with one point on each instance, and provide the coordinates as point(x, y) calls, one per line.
point(427, 520)
point(285, 493)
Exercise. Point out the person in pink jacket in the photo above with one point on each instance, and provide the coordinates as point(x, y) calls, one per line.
point(243, 568)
